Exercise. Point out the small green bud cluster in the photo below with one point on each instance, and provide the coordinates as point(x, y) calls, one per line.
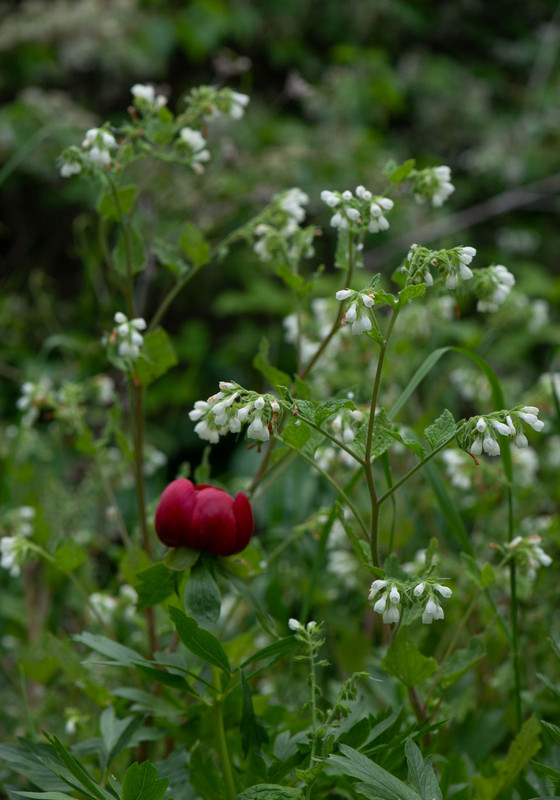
point(395, 594)
point(231, 408)
point(358, 212)
point(480, 434)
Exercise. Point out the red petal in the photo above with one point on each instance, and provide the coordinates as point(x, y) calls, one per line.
point(245, 524)
point(174, 513)
point(213, 523)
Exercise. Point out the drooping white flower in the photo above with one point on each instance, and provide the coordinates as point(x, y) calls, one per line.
point(444, 591)
point(197, 144)
point(500, 427)
point(419, 589)
point(490, 446)
point(239, 103)
point(531, 419)
point(294, 624)
point(432, 611)
point(376, 587)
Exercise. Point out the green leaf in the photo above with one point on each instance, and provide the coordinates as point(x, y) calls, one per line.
point(156, 584)
point(141, 782)
point(200, 642)
point(181, 558)
point(137, 254)
point(69, 556)
point(106, 206)
point(554, 730)
point(330, 407)
point(291, 280)
point(377, 782)
point(273, 651)
point(270, 791)
point(382, 439)
point(203, 599)
point(273, 375)
point(76, 769)
point(253, 735)
point(442, 429)
point(342, 248)
point(385, 297)
point(157, 356)
point(170, 256)
point(404, 661)
point(411, 292)
point(46, 795)
point(297, 435)
point(112, 728)
point(170, 679)
point(461, 661)
point(124, 656)
point(521, 750)
point(194, 245)
point(421, 772)
point(398, 174)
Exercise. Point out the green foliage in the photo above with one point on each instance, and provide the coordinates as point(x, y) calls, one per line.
point(404, 661)
point(521, 750)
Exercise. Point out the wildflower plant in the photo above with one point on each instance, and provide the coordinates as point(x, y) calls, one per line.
point(196, 661)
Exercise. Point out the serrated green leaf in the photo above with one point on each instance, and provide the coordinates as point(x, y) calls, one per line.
point(386, 298)
point(411, 292)
point(522, 749)
point(376, 781)
point(273, 375)
point(141, 782)
point(421, 772)
point(194, 245)
point(382, 436)
point(404, 661)
point(442, 429)
point(291, 280)
point(200, 642)
point(69, 556)
point(156, 357)
point(330, 407)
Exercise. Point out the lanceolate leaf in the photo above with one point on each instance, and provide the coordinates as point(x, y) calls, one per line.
point(522, 749)
point(200, 642)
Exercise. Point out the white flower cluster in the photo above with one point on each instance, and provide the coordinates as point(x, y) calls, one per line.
point(282, 233)
point(14, 547)
point(358, 312)
point(101, 143)
point(364, 211)
point(452, 265)
point(147, 96)
point(390, 602)
point(197, 145)
point(529, 553)
point(230, 409)
point(495, 284)
point(231, 102)
point(483, 432)
point(433, 183)
point(127, 335)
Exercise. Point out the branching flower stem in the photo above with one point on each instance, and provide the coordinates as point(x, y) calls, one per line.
point(338, 489)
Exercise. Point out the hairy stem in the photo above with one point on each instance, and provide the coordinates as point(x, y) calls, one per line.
point(220, 740)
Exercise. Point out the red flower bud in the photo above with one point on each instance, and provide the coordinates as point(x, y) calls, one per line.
point(203, 517)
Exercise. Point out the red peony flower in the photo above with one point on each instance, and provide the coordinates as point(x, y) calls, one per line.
point(203, 517)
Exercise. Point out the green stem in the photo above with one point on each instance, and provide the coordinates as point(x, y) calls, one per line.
point(220, 741)
point(334, 439)
point(368, 467)
point(514, 614)
point(127, 289)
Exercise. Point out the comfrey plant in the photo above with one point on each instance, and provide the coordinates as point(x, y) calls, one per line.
point(199, 633)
